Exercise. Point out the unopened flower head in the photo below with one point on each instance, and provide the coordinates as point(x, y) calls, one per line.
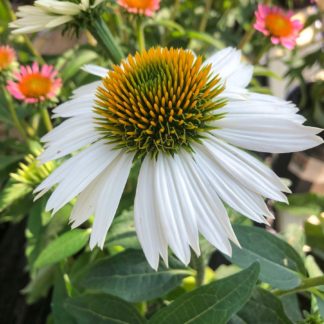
point(7, 58)
point(278, 25)
point(47, 14)
point(184, 120)
point(144, 7)
point(34, 84)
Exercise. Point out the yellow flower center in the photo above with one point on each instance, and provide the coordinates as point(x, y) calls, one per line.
point(139, 4)
point(159, 100)
point(35, 85)
point(5, 59)
point(278, 25)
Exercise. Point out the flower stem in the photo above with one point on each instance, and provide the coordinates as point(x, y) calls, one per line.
point(205, 16)
point(247, 37)
point(140, 35)
point(199, 265)
point(305, 285)
point(14, 116)
point(46, 118)
point(104, 37)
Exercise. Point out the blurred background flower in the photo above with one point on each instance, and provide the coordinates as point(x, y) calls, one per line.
point(145, 7)
point(34, 83)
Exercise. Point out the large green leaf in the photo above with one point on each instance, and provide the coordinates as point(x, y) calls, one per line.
point(262, 308)
point(281, 266)
point(213, 303)
point(64, 246)
point(129, 276)
point(102, 309)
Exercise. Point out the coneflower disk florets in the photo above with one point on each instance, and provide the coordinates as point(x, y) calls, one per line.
point(158, 101)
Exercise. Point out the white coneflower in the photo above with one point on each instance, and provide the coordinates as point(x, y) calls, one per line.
point(184, 119)
point(46, 14)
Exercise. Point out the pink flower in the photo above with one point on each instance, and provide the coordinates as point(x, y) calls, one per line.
point(35, 84)
point(145, 7)
point(278, 25)
point(7, 57)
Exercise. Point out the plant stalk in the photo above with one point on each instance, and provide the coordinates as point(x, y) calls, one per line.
point(104, 37)
point(46, 118)
point(306, 284)
point(140, 35)
point(14, 117)
point(199, 265)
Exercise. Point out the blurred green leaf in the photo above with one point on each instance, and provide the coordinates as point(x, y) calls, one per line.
point(39, 284)
point(129, 276)
point(281, 266)
point(64, 246)
point(213, 303)
point(303, 204)
point(11, 193)
point(262, 308)
point(102, 309)
point(7, 160)
point(315, 236)
point(75, 61)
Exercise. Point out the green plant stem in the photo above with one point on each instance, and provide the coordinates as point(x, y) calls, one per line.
point(175, 9)
point(140, 35)
point(205, 16)
point(259, 55)
point(104, 37)
point(306, 284)
point(247, 37)
point(46, 119)
point(199, 265)
point(14, 116)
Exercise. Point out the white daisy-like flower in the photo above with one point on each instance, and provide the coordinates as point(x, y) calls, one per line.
point(186, 120)
point(47, 14)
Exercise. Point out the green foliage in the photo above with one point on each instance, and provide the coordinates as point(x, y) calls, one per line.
point(64, 246)
point(263, 282)
point(102, 309)
point(128, 276)
point(280, 265)
point(213, 303)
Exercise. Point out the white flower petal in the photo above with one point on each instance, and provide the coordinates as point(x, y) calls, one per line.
point(95, 70)
point(231, 192)
point(81, 105)
point(81, 174)
point(58, 7)
point(88, 89)
point(213, 221)
point(169, 211)
point(115, 179)
point(227, 64)
point(148, 228)
point(246, 170)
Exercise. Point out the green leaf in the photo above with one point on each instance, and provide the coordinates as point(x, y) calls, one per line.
point(262, 308)
point(6, 160)
point(64, 246)
point(11, 193)
point(102, 309)
point(129, 276)
point(122, 231)
point(59, 297)
point(213, 303)
point(303, 204)
point(281, 266)
point(76, 61)
point(291, 307)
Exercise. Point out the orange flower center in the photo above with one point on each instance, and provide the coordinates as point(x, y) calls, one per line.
point(139, 4)
point(5, 59)
point(35, 85)
point(278, 25)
